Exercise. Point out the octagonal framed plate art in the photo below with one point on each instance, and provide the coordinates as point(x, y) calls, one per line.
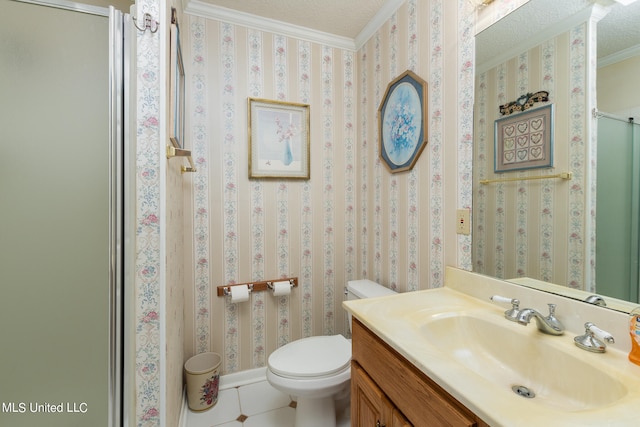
point(402, 122)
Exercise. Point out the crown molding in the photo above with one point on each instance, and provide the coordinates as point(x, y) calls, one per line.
point(619, 56)
point(206, 10)
point(389, 7)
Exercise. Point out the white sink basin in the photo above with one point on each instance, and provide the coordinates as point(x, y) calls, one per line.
point(467, 346)
point(509, 355)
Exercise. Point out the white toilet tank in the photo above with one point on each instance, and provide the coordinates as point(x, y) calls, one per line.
point(365, 288)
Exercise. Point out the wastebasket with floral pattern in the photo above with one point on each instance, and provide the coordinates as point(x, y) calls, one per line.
point(202, 373)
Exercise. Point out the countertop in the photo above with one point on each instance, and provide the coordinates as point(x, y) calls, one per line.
point(397, 320)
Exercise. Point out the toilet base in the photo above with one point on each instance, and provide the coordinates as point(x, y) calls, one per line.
point(316, 412)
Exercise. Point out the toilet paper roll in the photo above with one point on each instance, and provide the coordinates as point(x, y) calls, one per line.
point(281, 288)
point(239, 293)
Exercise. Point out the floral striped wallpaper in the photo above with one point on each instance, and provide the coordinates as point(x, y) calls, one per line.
point(540, 229)
point(148, 264)
point(157, 296)
point(352, 219)
point(264, 229)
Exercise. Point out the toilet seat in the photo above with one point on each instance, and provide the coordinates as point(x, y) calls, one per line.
point(313, 357)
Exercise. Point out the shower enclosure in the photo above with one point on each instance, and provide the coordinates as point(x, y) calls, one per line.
point(61, 214)
point(618, 207)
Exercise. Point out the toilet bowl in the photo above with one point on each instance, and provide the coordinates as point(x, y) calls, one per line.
point(314, 370)
point(317, 370)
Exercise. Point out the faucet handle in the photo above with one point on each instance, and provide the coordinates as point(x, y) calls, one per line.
point(599, 333)
point(593, 338)
point(499, 298)
point(512, 313)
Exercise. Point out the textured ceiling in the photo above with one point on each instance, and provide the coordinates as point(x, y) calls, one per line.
point(618, 30)
point(344, 18)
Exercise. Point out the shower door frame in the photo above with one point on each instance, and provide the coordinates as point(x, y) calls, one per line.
point(122, 197)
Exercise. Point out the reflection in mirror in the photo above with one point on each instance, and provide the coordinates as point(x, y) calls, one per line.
point(595, 299)
point(551, 230)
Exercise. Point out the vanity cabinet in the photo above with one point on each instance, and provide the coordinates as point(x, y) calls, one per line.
point(387, 388)
point(369, 405)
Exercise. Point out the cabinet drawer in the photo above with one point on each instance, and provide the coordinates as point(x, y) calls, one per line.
point(419, 398)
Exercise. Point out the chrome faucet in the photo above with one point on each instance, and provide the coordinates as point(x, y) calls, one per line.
point(596, 300)
point(548, 325)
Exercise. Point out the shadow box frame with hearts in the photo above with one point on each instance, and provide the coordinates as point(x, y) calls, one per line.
point(524, 140)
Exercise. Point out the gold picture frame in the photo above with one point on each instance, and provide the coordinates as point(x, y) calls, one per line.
point(278, 139)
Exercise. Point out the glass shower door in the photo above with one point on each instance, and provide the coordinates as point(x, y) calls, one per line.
point(617, 208)
point(57, 212)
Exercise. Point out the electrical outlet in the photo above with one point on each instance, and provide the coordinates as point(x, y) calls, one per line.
point(463, 220)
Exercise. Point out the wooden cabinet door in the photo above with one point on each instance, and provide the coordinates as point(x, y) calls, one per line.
point(369, 406)
point(414, 394)
point(398, 420)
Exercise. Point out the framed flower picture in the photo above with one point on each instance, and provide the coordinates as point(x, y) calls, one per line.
point(278, 139)
point(402, 122)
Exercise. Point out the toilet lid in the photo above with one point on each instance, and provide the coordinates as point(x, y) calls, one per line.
point(311, 357)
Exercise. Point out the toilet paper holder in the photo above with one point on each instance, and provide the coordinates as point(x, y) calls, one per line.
point(272, 287)
point(226, 290)
point(256, 286)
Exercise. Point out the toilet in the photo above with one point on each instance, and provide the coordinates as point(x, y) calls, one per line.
point(317, 370)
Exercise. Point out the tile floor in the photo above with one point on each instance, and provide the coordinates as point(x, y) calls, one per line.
point(251, 405)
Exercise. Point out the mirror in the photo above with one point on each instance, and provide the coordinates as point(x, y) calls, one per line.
point(542, 231)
